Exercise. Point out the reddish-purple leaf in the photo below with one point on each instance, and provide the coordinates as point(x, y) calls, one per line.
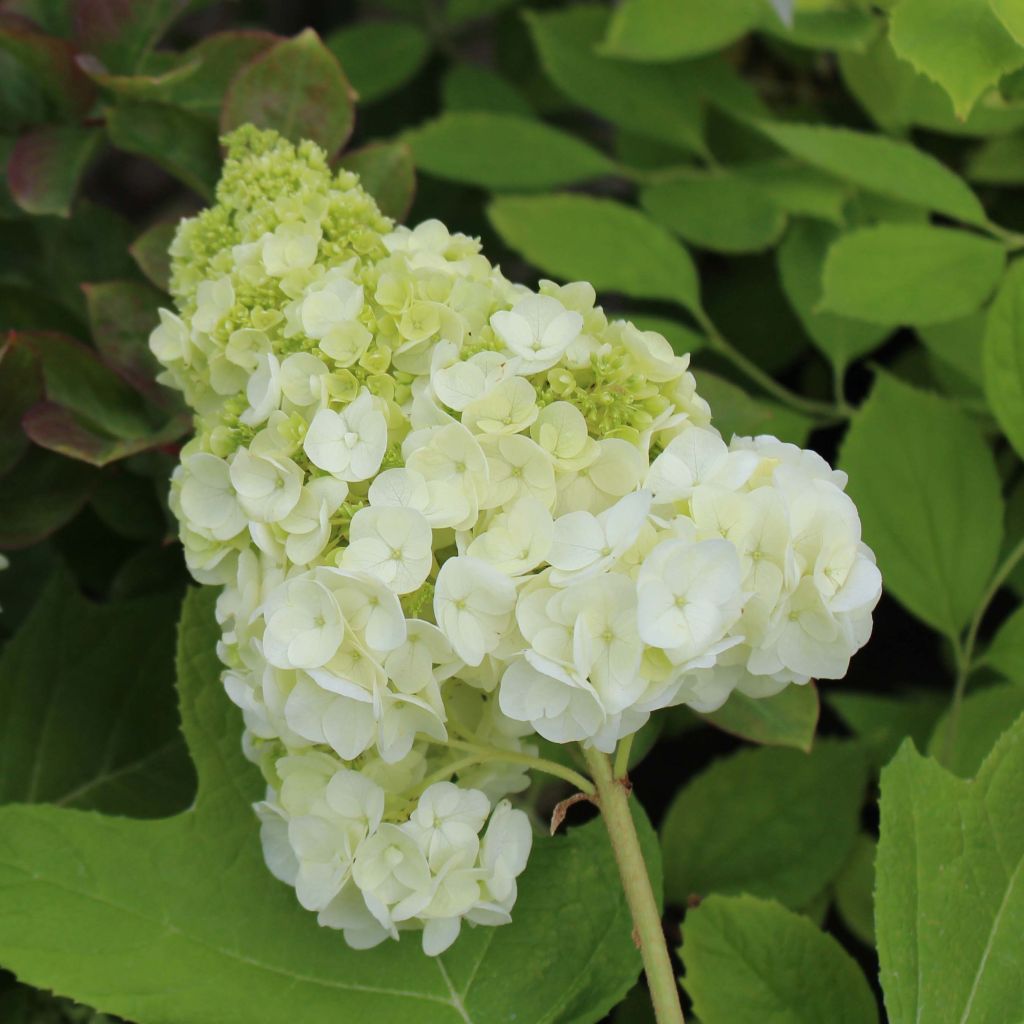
point(150, 252)
point(51, 61)
point(47, 164)
point(122, 32)
point(297, 88)
point(386, 171)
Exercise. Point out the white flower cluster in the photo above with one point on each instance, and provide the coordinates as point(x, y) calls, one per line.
point(450, 513)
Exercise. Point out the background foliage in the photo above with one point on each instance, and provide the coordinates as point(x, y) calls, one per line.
point(822, 201)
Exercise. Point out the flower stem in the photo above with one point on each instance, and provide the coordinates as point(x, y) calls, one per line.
point(540, 764)
point(965, 652)
point(613, 798)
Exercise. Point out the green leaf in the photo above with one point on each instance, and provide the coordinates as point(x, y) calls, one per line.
point(786, 720)
point(838, 30)
point(882, 723)
point(42, 493)
point(801, 191)
point(984, 715)
point(386, 171)
point(21, 386)
point(886, 166)
point(183, 144)
point(749, 961)
point(46, 166)
point(930, 504)
point(297, 88)
point(737, 413)
point(1004, 356)
point(1012, 17)
point(114, 745)
point(910, 274)
point(949, 911)
point(958, 344)
point(717, 211)
point(121, 316)
point(190, 896)
point(471, 87)
point(855, 890)
point(503, 151)
point(660, 30)
point(1006, 652)
point(615, 247)
point(767, 821)
point(999, 161)
point(960, 44)
point(660, 101)
point(151, 253)
point(800, 260)
point(379, 57)
point(121, 33)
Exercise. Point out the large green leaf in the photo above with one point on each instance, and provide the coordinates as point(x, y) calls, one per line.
point(126, 915)
point(503, 151)
point(296, 87)
point(926, 485)
point(800, 260)
point(473, 87)
point(716, 210)
point(379, 57)
point(749, 961)
point(910, 274)
point(886, 166)
point(90, 721)
point(1004, 356)
point(660, 101)
point(770, 822)
point(1006, 652)
point(615, 247)
point(960, 44)
point(786, 720)
point(658, 30)
point(984, 716)
point(882, 723)
point(949, 906)
point(854, 890)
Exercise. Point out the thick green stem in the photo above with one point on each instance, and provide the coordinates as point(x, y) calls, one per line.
point(613, 798)
point(540, 764)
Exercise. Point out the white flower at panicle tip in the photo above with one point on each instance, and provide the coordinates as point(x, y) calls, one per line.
point(450, 515)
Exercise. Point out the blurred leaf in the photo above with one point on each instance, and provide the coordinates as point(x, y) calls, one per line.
point(948, 911)
point(122, 32)
point(661, 30)
point(458, 11)
point(266, 954)
point(910, 274)
point(886, 166)
point(985, 715)
point(998, 161)
point(121, 316)
point(46, 166)
point(297, 88)
point(740, 414)
point(42, 493)
point(843, 30)
point(116, 657)
point(615, 247)
point(800, 260)
point(387, 173)
point(1006, 651)
point(717, 211)
point(958, 43)
point(767, 821)
point(788, 719)
point(51, 62)
point(958, 344)
point(882, 723)
point(379, 57)
point(182, 143)
point(1004, 356)
point(151, 569)
point(128, 505)
point(749, 961)
point(150, 252)
point(931, 505)
point(503, 151)
point(1012, 17)
point(471, 87)
point(660, 101)
point(801, 191)
point(855, 890)
point(21, 386)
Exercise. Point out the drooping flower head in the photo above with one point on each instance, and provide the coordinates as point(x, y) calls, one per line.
point(449, 514)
